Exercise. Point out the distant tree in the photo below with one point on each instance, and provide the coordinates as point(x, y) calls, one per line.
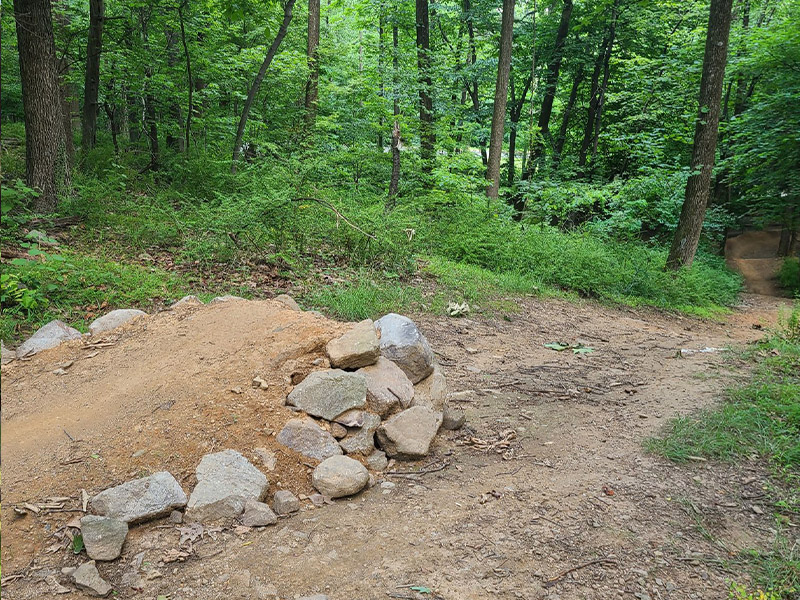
point(91, 87)
point(426, 132)
point(500, 98)
point(313, 62)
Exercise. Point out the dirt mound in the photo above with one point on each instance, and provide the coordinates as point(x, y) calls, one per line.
point(754, 254)
point(155, 395)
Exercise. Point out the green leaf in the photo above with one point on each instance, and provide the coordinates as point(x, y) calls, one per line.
point(421, 589)
point(77, 544)
point(557, 346)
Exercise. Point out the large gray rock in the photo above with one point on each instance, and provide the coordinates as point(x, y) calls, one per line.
point(388, 387)
point(225, 482)
point(309, 439)
point(285, 502)
point(288, 301)
point(258, 514)
point(408, 435)
point(114, 319)
point(141, 499)
point(103, 536)
point(327, 394)
point(431, 391)
point(7, 355)
point(358, 347)
point(402, 343)
point(361, 440)
point(46, 337)
point(87, 578)
point(339, 476)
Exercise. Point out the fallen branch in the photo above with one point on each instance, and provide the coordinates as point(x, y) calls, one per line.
point(441, 467)
point(331, 207)
point(554, 580)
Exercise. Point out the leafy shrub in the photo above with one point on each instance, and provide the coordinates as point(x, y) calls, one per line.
point(789, 275)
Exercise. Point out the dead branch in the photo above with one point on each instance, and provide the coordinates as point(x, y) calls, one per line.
point(331, 207)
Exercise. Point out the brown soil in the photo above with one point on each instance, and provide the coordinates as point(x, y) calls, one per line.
point(754, 254)
point(570, 485)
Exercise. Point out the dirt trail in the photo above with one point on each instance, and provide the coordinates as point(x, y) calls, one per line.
point(572, 488)
point(754, 254)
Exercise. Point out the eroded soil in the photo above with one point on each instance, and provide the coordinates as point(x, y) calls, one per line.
point(548, 475)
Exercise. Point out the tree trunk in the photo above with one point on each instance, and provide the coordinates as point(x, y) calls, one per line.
point(189, 79)
point(551, 83)
point(381, 87)
point(251, 94)
point(690, 224)
point(174, 142)
point(562, 132)
point(426, 134)
point(46, 163)
point(394, 182)
point(111, 113)
point(500, 97)
point(94, 47)
point(67, 102)
point(312, 85)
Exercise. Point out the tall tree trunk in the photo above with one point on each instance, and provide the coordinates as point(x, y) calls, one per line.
point(426, 133)
point(150, 120)
point(472, 85)
point(568, 109)
point(394, 182)
point(189, 80)
point(111, 113)
point(251, 94)
point(381, 86)
point(312, 85)
point(500, 97)
point(46, 163)
point(551, 83)
point(690, 224)
point(91, 88)
point(68, 102)
point(514, 114)
point(174, 142)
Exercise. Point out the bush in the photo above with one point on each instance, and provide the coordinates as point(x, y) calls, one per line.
point(789, 275)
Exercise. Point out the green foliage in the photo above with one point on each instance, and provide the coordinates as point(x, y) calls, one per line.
point(789, 275)
point(365, 298)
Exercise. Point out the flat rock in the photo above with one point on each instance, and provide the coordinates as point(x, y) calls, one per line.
point(226, 298)
point(361, 440)
point(303, 435)
point(358, 347)
point(7, 355)
point(327, 394)
point(403, 344)
point(285, 502)
point(314, 597)
point(114, 319)
point(453, 418)
point(187, 301)
point(46, 337)
point(267, 457)
point(225, 482)
point(388, 387)
point(141, 499)
point(288, 301)
point(339, 476)
point(258, 514)
point(351, 418)
point(87, 578)
point(408, 435)
point(377, 461)
point(431, 391)
point(103, 536)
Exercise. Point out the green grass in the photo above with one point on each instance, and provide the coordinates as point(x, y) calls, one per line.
point(364, 298)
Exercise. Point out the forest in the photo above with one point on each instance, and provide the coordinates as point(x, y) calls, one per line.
point(352, 150)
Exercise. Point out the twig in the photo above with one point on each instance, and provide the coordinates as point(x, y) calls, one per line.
point(421, 471)
point(554, 580)
point(330, 206)
point(71, 439)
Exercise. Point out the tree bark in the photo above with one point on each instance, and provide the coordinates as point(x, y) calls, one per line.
point(94, 47)
point(426, 133)
point(46, 162)
point(690, 224)
point(189, 79)
point(394, 182)
point(500, 97)
point(251, 94)
point(312, 85)
point(568, 109)
point(174, 142)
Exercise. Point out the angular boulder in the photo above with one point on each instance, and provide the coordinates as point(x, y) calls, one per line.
point(351, 418)
point(453, 418)
point(403, 344)
point(140, 499)
point(46, 337)
point(327, 394)
point(103, 536)
point(288, 301)
point(377, 461)
point(361, 440)
point(339, 476)
point(258, 514)
point(187, 301)
point(7, 355)
point(309, 439)
point(226, 298)
point(431, 391)
point(225, 482)
point(358, 347)
point(285, 502)
point(87, 578)
point(114, 319)
point(408, 435)
point(388, 387)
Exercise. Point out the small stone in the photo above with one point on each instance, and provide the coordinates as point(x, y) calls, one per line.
point(46, 337)
point(317, 500)
point(338, 431)
point(339, 476)
point(267, 457)
point(351, 418)
point(408, 435)
point(362, 440)
point(358, 347)
point(225, 481)
point(453, 418)
point(288, 301)
point(103, 536)
point(260, 383)
point(377, 461)
point(327, 394)
point(402, 343)
point(388, 486)
point(431, 391)
point(258, 514)
point(87, 578)
point(114, 319)
point(141, 499)
point(285, 502)
point(388, 388)
point(314, 597)
point(55, 586)
point(226, 298)
point(187, 301)
point(303, 435)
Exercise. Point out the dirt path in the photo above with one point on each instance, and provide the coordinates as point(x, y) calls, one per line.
point(571, 489)
point(754, 254)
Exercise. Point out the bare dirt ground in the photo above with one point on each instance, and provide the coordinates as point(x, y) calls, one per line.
point(754, 254)
point(548, 475)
